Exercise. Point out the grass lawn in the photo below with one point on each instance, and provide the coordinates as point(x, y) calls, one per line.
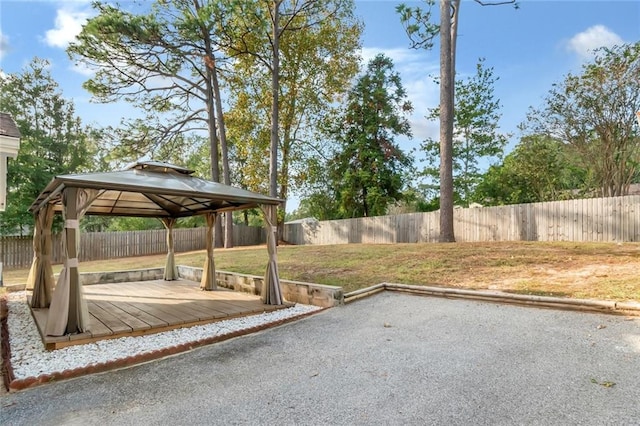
point(579, 270)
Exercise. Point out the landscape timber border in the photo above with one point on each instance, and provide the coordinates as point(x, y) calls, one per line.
point(585, 305)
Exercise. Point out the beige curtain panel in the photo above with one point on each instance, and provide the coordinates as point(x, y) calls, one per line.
point(68, 312)
point(40, 278)
point(208, 281)
point(170, 268)
point(37, 252)
point(271, 292)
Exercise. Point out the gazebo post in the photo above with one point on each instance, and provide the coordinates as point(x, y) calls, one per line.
point(271, 291)
point(170, 269)
point(68, 312)
point(208, 281)
point(71, 228)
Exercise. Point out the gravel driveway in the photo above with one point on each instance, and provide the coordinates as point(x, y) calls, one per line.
point(389, 359)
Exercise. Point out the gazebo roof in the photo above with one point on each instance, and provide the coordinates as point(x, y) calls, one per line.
point(152, 189)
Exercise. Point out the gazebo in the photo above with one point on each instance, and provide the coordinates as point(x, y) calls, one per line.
point(143, 189)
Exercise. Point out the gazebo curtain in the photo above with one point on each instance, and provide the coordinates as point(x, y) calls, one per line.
point(208, 281)
point(271, 292)
point(170, 269)
point(40, 278)
point(68, 312)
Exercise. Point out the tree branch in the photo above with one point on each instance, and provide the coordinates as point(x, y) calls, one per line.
point(496, 3)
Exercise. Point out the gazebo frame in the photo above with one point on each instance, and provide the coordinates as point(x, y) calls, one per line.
point(143, 189)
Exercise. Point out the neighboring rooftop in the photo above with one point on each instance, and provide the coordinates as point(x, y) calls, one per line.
point(8, 126)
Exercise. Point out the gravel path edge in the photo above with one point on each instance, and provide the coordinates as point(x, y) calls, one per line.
point(612, 307)
point(13, 384)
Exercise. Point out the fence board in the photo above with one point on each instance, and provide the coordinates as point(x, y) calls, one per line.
point(596, 219)
point(17, 252)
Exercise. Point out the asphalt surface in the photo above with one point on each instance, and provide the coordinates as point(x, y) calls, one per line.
point(391, 359)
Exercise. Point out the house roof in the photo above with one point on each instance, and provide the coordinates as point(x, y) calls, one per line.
point(8, 126)
point(152, 189)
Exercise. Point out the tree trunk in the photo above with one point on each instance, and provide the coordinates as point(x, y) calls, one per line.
point(446, 124)
point(213, 137)
point(213, 146)
point(287, 142)
point(284, 190)
point(365, 206)
point(454, 41)
point(275, 88)
point(228, 227)
point(213, 94)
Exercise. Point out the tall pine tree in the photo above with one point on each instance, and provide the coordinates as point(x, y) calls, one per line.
point(476, 135)
point(367, 169)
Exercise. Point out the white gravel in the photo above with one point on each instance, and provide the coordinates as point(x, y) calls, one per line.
point(30, 359)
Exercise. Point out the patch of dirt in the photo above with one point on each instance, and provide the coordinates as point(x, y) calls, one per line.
point(566, 278)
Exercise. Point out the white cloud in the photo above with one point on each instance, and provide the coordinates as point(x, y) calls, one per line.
point(83, 69)
point(4, 44)
point(584, 43)
point(424, 94)
point(68, 25)
point(398, 55)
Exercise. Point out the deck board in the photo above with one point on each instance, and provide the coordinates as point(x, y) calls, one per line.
point(156, 311)
point(98, 329)
point(116, 310)
point(115, 324)
point(145, 307)
point(152, 320)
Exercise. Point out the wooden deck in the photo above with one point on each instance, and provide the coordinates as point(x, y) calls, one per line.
point(146, 307)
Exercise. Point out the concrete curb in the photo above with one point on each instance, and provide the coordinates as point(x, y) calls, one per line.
point(587, 305)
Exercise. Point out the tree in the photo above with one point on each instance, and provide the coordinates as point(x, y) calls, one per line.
point(276, 33)
point(539, 169)
point(162, 60)
point(476, 135)
point(593, 112)
point(317, 205)
point(422, 32)
point(317, 51)
point(367, 170)
point(53, 141)
point(168, 59)
point(249, 140)
point(318, 198)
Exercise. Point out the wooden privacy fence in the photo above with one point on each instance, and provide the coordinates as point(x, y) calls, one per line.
point(595, 219)
point(17, 252)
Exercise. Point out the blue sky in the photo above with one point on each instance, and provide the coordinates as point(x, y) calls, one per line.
point(529, 48)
